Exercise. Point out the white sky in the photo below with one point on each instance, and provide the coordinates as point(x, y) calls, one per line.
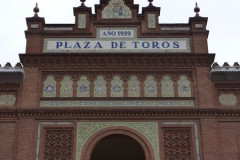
point(223, 22)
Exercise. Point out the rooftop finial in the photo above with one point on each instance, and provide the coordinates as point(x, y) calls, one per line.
point(83, 3)
point(150, 2)
point(36, 10)
point(197, 10)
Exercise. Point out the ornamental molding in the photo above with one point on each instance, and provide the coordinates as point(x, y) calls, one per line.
point(117, 60)
point(117, 113)
point(124, 75)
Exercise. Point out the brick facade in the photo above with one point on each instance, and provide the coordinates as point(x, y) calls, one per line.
point(201, 123)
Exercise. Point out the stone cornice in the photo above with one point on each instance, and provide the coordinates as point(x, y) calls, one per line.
point(117, 60)
point(117, 113)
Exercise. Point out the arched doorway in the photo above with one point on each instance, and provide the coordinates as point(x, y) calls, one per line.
point(121, 136)
point(118, 147)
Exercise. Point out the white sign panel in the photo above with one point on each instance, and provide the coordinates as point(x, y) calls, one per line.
point(116, 33)
point(116, 40)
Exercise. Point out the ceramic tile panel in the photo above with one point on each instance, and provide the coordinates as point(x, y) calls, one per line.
point(83, 89)
point(150, 87)
point(49, 89)
point(116, 9)
point(117, 87)
point(152, 21)
point(184, 87)
point(167, 87)
point(133, 87)
point(227, 99)
point(100, 87)
point(66, 89)
point(7, 99)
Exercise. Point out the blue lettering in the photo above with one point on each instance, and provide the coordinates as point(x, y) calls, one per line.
point(66, 45)
point(77, 45)
point(114, 44)
point(165, 45)
point(135, 44)
point(86, 44)
point(176, 45)
point(122, 44)
point(59, 44)
point(145, 44)
point(155, 45)
point(98, 45)
point(104, 34)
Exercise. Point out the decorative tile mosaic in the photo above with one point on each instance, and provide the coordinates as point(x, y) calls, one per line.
point(7, 100)
point(100, 87)
point(118, 103)
point(82, 21)
point(117, 87)
point(227, 99)
point(83, 89)
point(152, 21)
point(133, 87)
point(167, 89)
point(116, 9)
point(150, 87)
point(148, 129)
point(184, 87)
point(66, 89)
point(184, 123)
point(49, 89)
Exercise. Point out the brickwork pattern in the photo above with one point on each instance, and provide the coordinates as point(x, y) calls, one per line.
point(177, 143)
point(58, 144)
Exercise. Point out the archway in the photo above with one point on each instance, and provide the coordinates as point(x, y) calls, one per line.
point(118, 147)
point(115, 134)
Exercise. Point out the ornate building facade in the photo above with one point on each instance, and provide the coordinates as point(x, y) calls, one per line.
point(119, 85)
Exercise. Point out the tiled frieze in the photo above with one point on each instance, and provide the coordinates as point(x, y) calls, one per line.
point(66, 89)
point(150, 87)
point(133, 87)
point(116, 9)
point(100, 88)
point(83, 89)
point(118, 103)
point(148, 129)
point(184, 87)
point(167, 87)
point(49, 88)
point(116, 85)
point(7, 99)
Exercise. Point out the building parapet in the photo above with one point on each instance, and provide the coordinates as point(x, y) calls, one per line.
point(225, 72)
point(9, 74)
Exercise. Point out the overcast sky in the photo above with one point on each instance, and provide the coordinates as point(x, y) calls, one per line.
point(223, 22)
